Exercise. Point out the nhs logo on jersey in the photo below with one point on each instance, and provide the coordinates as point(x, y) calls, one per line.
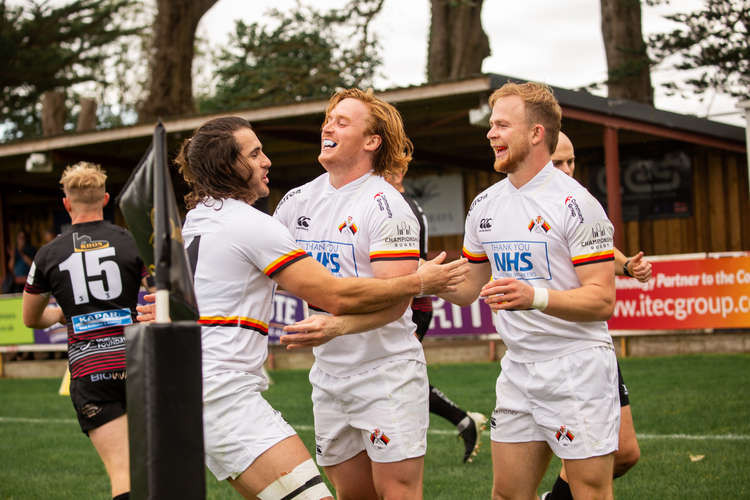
point(101, 319)
point(331, 254)
point(523, 260)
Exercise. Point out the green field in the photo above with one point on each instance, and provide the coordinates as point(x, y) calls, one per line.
point(683, 406)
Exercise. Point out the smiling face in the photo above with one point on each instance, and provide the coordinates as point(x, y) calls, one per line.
point(509, 134)
point(345, 139)
point(253, 164)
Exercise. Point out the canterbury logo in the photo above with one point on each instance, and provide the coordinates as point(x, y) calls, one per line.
point(485, 223)
point(303, 221)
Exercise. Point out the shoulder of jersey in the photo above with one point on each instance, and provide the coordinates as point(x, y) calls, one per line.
point(231, 212)
point(300, 192)
point(379, 185)
point(119, 229)
point(577, 200)
point(382, 195)
point(481, 198)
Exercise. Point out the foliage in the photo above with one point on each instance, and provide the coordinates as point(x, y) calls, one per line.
point(302, 57)
point(712, 45)
point(49, 47)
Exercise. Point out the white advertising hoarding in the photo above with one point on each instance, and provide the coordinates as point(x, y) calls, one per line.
point(442, 199)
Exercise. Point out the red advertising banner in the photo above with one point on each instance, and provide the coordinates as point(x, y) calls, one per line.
point(694, 293)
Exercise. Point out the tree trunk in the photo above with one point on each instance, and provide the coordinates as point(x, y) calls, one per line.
point(458, 43)
point(628, 65)
point(53, 112)
point(87, 115)
point(171, 64)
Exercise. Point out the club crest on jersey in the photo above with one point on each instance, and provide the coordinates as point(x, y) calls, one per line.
point(379, 439)
point(383, 203)
point(348, 224)
point(564, 436)
point(539, 225)
point(84, 243)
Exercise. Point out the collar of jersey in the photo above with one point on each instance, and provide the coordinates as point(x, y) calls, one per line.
point(536, 182)
point(351, 186)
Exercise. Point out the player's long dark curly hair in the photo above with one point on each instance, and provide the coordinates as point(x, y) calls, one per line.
point(207, 162)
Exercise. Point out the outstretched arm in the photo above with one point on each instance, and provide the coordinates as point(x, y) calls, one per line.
point(319, 329)
point(468, 290)
point(310, 281)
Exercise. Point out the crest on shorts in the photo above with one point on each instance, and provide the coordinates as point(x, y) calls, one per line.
point(379, 439)
point(564, 436)
point(348, 224)
point(539, 225)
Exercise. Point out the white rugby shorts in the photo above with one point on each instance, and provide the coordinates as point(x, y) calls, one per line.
point(571, 402)
point(384, 411)
point(238, 424)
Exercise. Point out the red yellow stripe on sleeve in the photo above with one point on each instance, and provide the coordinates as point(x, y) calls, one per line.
point(412, 254)
point(283, 261)
point(239, 321)
point(474, 258)
point(593, 258)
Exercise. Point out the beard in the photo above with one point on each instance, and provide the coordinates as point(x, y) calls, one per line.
point(516, 154)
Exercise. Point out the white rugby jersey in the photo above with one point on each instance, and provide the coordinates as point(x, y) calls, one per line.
point(234, 250)
point(540, 233)
point(346, 230)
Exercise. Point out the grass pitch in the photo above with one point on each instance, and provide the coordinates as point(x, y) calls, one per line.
point(692, 416)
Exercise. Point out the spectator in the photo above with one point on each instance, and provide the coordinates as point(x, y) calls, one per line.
point(21, 257)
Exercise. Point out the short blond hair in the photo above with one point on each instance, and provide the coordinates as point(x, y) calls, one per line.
point(84, 182)
point(541, 107)
point(396, 149)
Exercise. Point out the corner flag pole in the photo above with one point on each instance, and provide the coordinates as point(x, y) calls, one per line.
point(161, 226)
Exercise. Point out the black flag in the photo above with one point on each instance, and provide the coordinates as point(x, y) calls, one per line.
point(150, 209)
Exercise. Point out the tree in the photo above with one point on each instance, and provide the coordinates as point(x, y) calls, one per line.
point(628, 64)
point(712, 45)
point(49, 48)
point(171, 60)
point(458, 43)
point(307, 55)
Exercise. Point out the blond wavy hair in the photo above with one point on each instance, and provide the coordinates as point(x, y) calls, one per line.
point(84, 182)
point(396, 149)
point(541, 107)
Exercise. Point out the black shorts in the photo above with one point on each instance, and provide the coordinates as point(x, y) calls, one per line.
point(624, 399)
point(98, 398)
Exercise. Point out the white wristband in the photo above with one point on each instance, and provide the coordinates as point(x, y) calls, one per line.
point(541, 298)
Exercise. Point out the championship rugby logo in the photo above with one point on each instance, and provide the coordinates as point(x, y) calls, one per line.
point(539, 225)
point(348, 223)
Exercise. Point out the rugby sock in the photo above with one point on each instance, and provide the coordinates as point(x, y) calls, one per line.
point(560, 490)
point(122, 496)
point(441, 405)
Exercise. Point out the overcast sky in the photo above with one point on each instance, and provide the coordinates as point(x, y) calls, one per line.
point(559, 43)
